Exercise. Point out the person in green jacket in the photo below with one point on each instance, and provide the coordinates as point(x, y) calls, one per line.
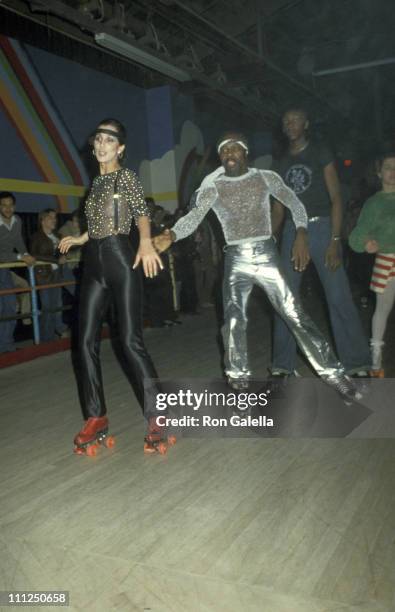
point(375, 233)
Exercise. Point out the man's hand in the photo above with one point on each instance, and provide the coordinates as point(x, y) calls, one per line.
point(300, 250)
point(149, 258)
point(371, 246)
point(163, 241)
point(28, 259)
point(333, 255)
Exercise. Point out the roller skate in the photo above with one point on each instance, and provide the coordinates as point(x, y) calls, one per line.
point(345, 388)
point(362, 381)
point(238, 384)
point(377, 373)
point(92, 435)
point(278, 380)
point(156, 440)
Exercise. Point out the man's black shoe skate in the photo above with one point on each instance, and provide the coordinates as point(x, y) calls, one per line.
point(238, 384)
point(277, 380)
point(345, 388)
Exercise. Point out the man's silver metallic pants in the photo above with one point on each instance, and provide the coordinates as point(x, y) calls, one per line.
point(258, 263)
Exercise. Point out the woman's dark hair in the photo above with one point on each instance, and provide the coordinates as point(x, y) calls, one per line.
point(118, 127)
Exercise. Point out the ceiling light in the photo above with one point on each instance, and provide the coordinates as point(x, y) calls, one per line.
point(141, 56)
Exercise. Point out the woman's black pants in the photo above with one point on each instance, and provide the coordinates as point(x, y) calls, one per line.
point(109, 278)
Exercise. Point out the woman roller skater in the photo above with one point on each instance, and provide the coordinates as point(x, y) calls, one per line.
point(116, 197)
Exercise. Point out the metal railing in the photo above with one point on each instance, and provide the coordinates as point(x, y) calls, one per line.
point(33, 289)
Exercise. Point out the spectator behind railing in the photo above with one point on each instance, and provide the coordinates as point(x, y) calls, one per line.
point(44, 246)
point(12, 248)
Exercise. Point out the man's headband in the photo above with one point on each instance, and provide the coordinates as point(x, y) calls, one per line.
point(109, 132)
point(224, 142)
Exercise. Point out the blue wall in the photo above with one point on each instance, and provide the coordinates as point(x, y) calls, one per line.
point(83, 97)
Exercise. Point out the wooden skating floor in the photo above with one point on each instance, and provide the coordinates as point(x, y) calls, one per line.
point(268, 525)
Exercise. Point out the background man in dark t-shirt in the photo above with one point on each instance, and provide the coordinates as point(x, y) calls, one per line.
point(308, 168)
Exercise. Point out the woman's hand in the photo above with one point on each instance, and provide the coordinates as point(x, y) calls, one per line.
point(69, 241)
point(149, 258)
point(371, 246)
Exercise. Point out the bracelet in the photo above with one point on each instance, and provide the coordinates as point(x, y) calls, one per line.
point(336, 238)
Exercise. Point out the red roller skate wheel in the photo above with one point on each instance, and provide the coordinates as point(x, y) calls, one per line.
point(149, 449)
point(91, 451)
point(171, 440)
point(109, 442)
point(162, 448)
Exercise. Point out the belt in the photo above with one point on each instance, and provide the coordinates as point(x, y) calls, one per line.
point(248, 246)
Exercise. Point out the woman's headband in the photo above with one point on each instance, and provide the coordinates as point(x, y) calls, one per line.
point(109, 132)
point(224, 142)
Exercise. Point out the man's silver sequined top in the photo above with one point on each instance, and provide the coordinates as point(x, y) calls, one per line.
point(106, 215)
point(242, 205)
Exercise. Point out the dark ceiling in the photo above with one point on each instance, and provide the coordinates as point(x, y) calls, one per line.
point(253, 56)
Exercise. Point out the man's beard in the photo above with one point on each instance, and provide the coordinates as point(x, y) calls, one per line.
point(233, 170)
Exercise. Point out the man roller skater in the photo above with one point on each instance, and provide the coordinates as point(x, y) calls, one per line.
point(240, 197)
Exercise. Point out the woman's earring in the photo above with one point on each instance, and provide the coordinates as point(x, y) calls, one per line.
point(93, 152)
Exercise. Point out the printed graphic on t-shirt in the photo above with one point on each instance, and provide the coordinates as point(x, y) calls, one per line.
point(299, 178)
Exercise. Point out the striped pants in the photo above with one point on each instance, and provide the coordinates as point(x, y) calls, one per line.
point(383, 284)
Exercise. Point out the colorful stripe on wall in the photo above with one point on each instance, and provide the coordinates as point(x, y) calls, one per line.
point(163, 196)
point(55, 189)
point(31, 112)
